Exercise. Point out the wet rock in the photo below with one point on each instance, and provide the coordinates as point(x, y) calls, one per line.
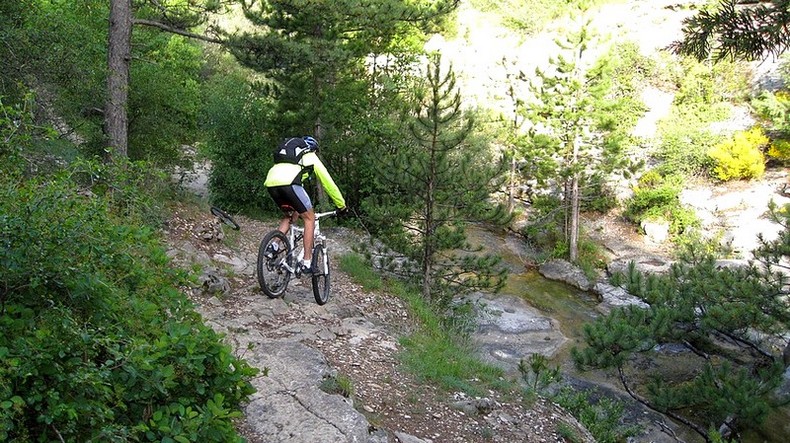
point(566, 272)
point(615, 297)
point(510, 330)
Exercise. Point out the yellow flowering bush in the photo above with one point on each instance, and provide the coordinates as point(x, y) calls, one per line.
point(740, 156)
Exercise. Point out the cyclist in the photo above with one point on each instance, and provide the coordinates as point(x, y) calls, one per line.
point(295, 161)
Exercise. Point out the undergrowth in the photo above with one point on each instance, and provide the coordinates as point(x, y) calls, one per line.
point(97, 342)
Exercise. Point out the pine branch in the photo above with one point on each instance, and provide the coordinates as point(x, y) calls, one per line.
point(696, 428)
point(174, 30)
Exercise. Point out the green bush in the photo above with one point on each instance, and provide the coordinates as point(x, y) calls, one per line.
point(704, 93)
point(657, 198)
point(235, 119)
point(685, 140)
point(774, 108)
point(96, 341)
point(601, 415)
point(741, 156)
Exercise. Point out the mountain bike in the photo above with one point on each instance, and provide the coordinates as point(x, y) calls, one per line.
point(280, 255)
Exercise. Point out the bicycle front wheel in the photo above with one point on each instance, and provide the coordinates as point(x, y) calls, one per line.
point(321, 281)
point(224, 217)
point(273, 277)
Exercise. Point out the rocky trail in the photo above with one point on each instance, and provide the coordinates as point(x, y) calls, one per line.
point(301, 348)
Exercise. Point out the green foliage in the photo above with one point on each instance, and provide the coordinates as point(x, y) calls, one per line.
point(356, 265)
point(164, 97)
point(656, 197)
point(430, 189)
point(318, 80)
point(684, 146)
point(437, 351)
point(536, 372)
point(704, 84)
point(741, 156)
point(729, 32)
point(696, 304)
point(578, 135)
point(774, 109)
point(64, 62)
point(704, 92)
point(238, 140)
point(600, 415)
point(96, 342)
point(338, 384)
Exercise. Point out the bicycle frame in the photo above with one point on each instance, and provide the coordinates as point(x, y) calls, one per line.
point(295, 233)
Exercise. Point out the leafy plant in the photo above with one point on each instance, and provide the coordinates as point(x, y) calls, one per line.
point(657, 197)
point(601, 415)
point(338, 384)
point(435, 352)
point(96, 342)
point(741, 156)
point(537, 373)
point(730, 319)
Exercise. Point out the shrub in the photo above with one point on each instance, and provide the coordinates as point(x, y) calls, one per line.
point(238, 142)
point(741, 156)
point(779, 150)
point(685, 140)
point(658, 198)
point(96, 341)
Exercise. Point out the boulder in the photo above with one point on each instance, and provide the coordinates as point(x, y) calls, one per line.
point(564, 271)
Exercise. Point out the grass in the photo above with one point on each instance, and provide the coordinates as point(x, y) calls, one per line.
point(338, 384)
point(433, 353)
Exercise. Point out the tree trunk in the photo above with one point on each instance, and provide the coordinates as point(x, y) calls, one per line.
point(573, 229)
point(118, 57)
point(511, 195)
point(427, 257)
point(573, 238)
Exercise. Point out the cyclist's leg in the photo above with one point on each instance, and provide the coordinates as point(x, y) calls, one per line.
point(286, 221)
point(309, 230)
point(304, 207)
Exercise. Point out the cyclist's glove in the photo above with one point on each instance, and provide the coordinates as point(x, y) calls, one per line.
point(342, 211)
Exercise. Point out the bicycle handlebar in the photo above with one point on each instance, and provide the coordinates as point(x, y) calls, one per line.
point(325, 214)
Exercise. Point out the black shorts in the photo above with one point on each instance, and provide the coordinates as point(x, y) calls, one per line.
point(291, 196)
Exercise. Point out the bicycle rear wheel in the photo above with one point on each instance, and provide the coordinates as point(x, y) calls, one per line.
point(273, 252)
point(321, 280)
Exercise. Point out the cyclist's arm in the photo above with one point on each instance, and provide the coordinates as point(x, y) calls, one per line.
point(326, 180)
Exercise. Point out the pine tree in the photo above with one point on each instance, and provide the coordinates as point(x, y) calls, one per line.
point(432, 188)
point(735, 320)
point(334, 69)
point(564, 137)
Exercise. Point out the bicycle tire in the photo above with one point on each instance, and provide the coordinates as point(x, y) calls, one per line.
point(224, 217)
point(321, 275)
point(273, 278)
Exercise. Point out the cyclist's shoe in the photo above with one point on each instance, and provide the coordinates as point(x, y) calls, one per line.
point(271, 250)
point(306, 268)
